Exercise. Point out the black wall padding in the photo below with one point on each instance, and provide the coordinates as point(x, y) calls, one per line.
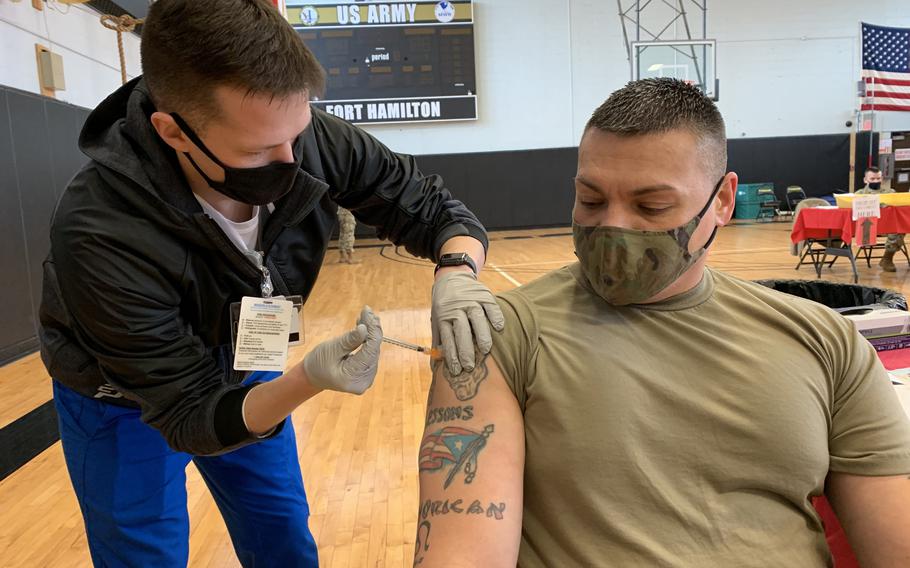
point(819, 164)
point(38, 156)
point(511, 190)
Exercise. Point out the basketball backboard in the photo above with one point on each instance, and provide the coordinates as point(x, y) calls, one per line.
point(693, 61)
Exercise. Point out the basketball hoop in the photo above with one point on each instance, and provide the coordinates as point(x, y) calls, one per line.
point(691, 61)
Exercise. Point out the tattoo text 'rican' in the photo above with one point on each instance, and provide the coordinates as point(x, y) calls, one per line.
point(431, 509)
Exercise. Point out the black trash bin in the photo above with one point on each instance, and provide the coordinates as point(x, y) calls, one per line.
point(839, 296)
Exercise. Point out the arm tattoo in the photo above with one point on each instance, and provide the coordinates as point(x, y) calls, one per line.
point(454, 448)
point(430, 509)
point(466, 384)
point(449, 414)
point(422, 545)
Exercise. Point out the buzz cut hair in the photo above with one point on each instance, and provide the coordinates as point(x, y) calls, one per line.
point(661, 105)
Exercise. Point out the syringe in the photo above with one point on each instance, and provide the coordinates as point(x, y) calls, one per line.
point(434, 353)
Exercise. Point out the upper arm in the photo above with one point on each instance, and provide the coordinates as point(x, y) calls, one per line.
point(875, 513)
point(471, 471)
point(869, 446)
point(870, 432)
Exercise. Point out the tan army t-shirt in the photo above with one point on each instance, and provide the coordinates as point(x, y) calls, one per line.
point(693, 432)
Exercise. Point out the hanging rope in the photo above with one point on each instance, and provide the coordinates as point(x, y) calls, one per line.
point(120, 24)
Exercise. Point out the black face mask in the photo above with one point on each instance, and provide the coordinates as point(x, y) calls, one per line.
point(254, 186)
point(875, 185)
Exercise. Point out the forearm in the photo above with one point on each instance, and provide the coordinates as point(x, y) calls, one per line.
point(267, 404)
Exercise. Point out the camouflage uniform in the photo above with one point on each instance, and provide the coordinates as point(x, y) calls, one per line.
point(346, 226)
point(895, 241)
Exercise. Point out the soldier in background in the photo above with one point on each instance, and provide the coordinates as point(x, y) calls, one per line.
point(895, 242)
point(346, 226)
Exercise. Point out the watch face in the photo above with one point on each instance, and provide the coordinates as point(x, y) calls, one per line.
point(453, 258)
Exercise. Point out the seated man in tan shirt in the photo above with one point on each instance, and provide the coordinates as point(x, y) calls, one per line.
point(643, 410)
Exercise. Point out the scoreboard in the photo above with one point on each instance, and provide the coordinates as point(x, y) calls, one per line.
point(392, 62)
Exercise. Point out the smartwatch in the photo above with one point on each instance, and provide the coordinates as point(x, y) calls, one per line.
point(456, 259)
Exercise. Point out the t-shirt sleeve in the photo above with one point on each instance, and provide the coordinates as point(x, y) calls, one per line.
point(515, 348)
point(870, 432)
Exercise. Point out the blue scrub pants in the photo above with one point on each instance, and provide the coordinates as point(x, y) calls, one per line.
point(131, 487)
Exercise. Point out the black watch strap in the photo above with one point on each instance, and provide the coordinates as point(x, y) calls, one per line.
point(456, 259)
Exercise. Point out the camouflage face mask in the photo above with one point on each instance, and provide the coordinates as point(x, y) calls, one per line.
point(626, 266)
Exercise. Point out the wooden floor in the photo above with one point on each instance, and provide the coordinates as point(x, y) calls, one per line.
point(358, 454)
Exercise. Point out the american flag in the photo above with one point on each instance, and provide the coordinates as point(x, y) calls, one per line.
point(886, 68)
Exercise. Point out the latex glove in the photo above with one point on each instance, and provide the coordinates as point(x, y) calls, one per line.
point(333, 365)
point(462, 304)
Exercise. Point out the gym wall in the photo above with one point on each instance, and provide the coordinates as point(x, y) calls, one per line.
point(38, 156)
point(91, 62)
point(787, 70)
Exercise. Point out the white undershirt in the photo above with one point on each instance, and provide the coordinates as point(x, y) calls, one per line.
point(244, 234)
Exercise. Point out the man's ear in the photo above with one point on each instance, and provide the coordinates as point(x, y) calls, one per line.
point(168, 130)
point(726, 199)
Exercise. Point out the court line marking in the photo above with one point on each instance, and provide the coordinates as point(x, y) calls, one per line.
point(503, 273)
point(741, 251)
point(536, 263)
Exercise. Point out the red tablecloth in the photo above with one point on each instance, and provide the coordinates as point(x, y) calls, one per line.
point(821, 223)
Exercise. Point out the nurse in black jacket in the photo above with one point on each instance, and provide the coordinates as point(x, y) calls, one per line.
point(211, 179)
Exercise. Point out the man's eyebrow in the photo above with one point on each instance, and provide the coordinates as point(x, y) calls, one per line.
point(646, 190)
point(654, 189)
point(590, 185)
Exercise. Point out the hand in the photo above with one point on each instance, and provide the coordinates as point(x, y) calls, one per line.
point(460, 304)
point(333, 365)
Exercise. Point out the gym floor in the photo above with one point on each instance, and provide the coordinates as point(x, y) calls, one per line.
point(358, 454)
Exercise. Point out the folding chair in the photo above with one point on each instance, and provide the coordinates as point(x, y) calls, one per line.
point(818, 250)
point(795, 195)
point(768, 204)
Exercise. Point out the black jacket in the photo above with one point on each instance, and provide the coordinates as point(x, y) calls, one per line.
point(138, 283)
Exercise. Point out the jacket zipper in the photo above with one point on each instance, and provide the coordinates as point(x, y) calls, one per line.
point(265, 283)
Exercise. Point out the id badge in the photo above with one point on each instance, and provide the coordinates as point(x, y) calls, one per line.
point(263, 327)
point(296, 335)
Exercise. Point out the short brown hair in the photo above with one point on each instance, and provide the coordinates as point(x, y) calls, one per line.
point(873, 169)
point(190, 46)
point(656, 106)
